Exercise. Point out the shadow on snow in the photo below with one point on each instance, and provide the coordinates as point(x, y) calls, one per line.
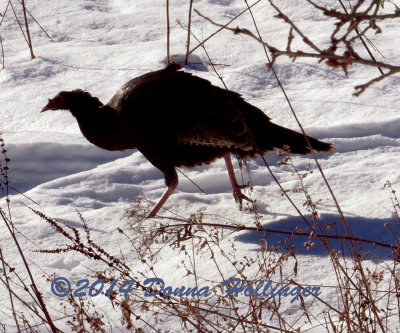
point(378, 230)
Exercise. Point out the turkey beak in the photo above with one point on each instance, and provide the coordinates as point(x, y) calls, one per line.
point(47, 107)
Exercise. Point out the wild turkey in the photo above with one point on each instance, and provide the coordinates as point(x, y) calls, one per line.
point(176, 119)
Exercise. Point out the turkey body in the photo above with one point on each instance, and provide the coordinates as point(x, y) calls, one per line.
point(176, 119)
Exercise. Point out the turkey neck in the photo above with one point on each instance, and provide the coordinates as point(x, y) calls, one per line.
point(103, 126)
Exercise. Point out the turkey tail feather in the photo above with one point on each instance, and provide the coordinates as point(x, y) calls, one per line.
point(280, 137)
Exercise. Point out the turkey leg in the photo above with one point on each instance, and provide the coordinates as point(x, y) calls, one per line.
point(171, 180)
point(160, 203)
point(237, 193)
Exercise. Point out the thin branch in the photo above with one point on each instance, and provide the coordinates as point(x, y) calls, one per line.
point(306, 40)
point(36, 21)
point(333, 60)
point(222, 27)
point(2, 51)
point(300, 54)
point(188, 35)
point(27, 30)
point(7, 282)
point(272, 231)
point(5, 12)
point(33, 284)
point(360, 36)
point(19, 23)
point(168, 34)
point(362, 87)
point(180, 171)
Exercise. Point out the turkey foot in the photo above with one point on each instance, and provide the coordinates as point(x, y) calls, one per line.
point(237, 193)
point(239, 196)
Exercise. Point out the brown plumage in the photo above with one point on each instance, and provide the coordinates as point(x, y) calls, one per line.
point(176, 119)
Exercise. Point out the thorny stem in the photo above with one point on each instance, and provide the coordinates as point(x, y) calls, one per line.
point(34, 287)
point(9, 290)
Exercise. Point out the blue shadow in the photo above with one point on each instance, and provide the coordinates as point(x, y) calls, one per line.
point(378, 230)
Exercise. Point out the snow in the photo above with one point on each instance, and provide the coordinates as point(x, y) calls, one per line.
point(98, 46)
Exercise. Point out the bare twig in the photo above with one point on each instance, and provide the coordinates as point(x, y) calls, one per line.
point(19, 23)
point(330, 55)
point(36, 21)
point(38, 295)
point(300, 54)
point(273, 231)
point(362, 87)
point(353, 249)
point(222, 27)
point(168, 33)
point(2, 52)
point(284, 17)
point(189, 34)
point(5, 12)
point(27, 30)
point(359, 16)
point(9, 290)
point(360, 36)
point(183, 174)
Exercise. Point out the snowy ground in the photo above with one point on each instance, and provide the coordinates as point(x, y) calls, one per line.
point(98, 46)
